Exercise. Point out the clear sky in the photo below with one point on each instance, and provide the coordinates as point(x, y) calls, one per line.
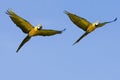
point(95, 57)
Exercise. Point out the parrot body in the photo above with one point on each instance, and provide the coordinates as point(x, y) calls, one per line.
point(29, 29)
point(84, 24)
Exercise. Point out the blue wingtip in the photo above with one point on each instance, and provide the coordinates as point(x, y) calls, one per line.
point(66, 12)
point(63, 29)
point(115, 19)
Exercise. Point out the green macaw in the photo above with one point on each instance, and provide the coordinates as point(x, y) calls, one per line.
point(29, 29)
point(85, 25)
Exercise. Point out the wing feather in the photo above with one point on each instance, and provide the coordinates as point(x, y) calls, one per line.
point(47, 32)
point(23, 24)
point(104, 23)
point(79, 21)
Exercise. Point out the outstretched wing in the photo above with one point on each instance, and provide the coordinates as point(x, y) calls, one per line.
point(24, 25)
point(47, 32)
point(85, 34)
point(104, 23)
point(79, 21)
point(27, 38)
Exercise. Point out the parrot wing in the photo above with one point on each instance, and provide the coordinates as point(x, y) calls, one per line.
point(104, 23)
point(47, 32)
point(79, 21)
point(23, 24)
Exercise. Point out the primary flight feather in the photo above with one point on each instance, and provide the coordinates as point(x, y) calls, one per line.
point(85, 25)
point(30, 30)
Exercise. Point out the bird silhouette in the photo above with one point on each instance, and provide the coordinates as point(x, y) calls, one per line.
point(29, 29)
point(84, 24)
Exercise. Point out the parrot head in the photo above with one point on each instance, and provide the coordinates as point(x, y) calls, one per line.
point(38, 27)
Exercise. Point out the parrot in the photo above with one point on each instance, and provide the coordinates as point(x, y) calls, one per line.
point(29, 29)
point(84, 24)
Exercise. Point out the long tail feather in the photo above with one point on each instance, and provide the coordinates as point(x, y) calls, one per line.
point(27, 38)
point(85, 34)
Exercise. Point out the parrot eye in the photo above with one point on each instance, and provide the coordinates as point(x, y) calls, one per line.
point(96, 24)
point(39, 27)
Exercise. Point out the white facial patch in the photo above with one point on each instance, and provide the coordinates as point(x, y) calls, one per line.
point(38, 27)
point(96, 23)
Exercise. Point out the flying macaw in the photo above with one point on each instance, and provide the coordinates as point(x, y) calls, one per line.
point(29, 29)
point(84, 24)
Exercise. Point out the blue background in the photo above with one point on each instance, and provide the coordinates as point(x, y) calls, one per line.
point(95, 57)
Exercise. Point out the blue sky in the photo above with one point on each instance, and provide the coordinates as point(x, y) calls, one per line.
point(96, 57)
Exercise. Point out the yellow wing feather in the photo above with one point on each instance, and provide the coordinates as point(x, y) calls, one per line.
point(47, 32)
point(23, 24)
point(104, 23)
point(79, 21)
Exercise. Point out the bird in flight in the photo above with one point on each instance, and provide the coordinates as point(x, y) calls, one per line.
point(84, 24)
point(29, 29)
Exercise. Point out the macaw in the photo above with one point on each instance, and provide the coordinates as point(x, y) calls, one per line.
point(29, 29)
point(84, 24)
